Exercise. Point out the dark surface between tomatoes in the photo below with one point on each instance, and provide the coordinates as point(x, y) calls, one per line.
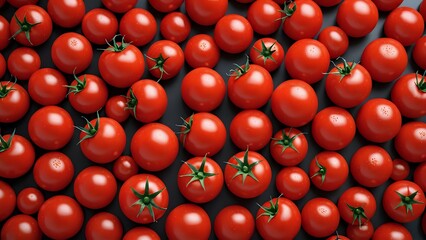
point(226, 112)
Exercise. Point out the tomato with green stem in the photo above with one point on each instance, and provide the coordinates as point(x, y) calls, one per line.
point(7, 200)
point(53, 171)
point(23, 62)
point(103, 225)
point(46, 86)
point(21, 227)
point(357, 17)
point(320, 217)
point(357, 205)
point(175, 26)
point(231, 39)
point(409, 95)
point(409, 143)
point(66, 13)
point(292, 182)
point(201, 51)
point(264, 16)
point(335, 40)
point(328, 170)
point(141, 233)
point(4, 33)
point(139, 26)
point(268, 53)
point(206, 13)
point(391, 229)
point(29, 200)
point(404, 24)
point(99, 26)
point(115, 108)
point(363, 232)
point(14, 101)
point(234, 222)
point(288, 147)
point(165, 59)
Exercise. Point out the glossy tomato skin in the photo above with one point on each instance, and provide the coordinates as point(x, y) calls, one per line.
point(119, 6)
point(410, 141)
point(2, 65)
point(88, 94)
point(154, 147)
point(407, 95)
point(14, 102)
point(357, 17)
point(20, 3)
point(7, 200)
point(21, 227)
point(419, 174)
point(138, 26)
point(175, 26)
point(201, 51)
point(23, 62)
point(124, 167)
point(165, 5)
point(287, 98)
point(180, 224)
point(99, 26)
point(354, 200)
point(230, 39)
point(363, 232)
point(292, 182)
point(419, 49)
point(66, 13)
point(307, 60)
point(404, 24)
point(17, 158)
point(206, 13)
point(401, 170)
point(53, 171)
point(304, 19)
point(46, 86)
point(165, 55)
point(390, 229)
point(387, 5)
point(141, 232)
point(320, 217)
point(326, 3)
point(103, 225)
point(115, 108)
point(328, 170)
point(29, 200)
point(269, 55)
point(338, 237)
point(234, 222)
point(264, 16)
point(288, 147)
point(4, 33)
point(335, 40)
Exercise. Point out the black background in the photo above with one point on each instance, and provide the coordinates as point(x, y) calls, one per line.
point(226, 111)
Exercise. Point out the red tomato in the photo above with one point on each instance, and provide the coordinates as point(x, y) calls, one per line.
point(326, 3)
point(378, 120)
point(371, 166)
point(165, 59)
point(138, 26)
point(338, 237)
point(7, 200)
point(405, 25)
point(264, 16)
point(207, 12)
point(287, 99)
point(165, 5)
point(357, 17)
point(419, 174)
point(250, 129)
point(409, 95)
point(288, 147)
point(384, 65)
point(20, 3)
point(335, 40)
point(328, 170)
point(31, 25)
point(103, 225)
point(138, 233)
point(357, 206)
point(2, 65)
point(119, 6)
point(400, 170)
point(66, 13)
point(46, 86)
point(124, 167)
point(303, 19)
point(21, 227)
point(143, 198)
point(200, 179)
point(268, 53)
point(278, 219)
point(53, 171)
point(71, 53)
point(234, 223)
point(422, 9)
point(115, 108)
point(363, 232)
point(245, 1)
point(4, 33)
point(14, 102)
point(99, 26)
point(307, 60)
point(175, 26)
point(233, 39)
point(148, 145)
point(292, 182)
point(418, 50)
point(410, 142)
point(247, 174)
point(29, 200)
point(201, 51)
point(320, 217)
point(389, 230)
point(16, 155)
point(180, 224)
point(23, 62)
point(387, 5)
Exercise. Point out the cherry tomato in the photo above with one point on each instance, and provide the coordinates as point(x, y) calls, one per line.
point(292, 182)
point(409, 95)
point(23, 62)
point(268, 53)
point(206, 13)
point(66, 13)
point(338, 237)
point(165, 59)
point(46, 86)
point(21, 227)
point(119, 6)
point(410, 141)
point(422, 9)
point(389, 230)
point(263, 16)
point(357, 206)
point(404, 24)
point(234, 222)
point(7, 200)
point(175, 26)
point(387, 5)
point(233, 33)
point(103, 225)
point(165, 5)
point(139, 26)
point(335, 40)
point(303, 19)
point(14, 102)
point(29, 200)
point(2, 65)
point(20, 3)
point(115, 108)
point(17, 155)
point(357, 17)
point(419, 176)
point(363, 232)
point(400, 170)
point(141, 233)
point(201, 51)
point(418, 50)
point(99, 26)
point(320, 217)
point(4, 33)
point(288, 147)
point(328, 171)
point(326, 3)
point(124, 167)
point(53, 171)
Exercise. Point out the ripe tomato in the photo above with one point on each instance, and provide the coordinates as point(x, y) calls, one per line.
point(200, 179)
point(302, 19)
point(400, 170)
point(326, 3)
point(419, 174)
point(71, 53)
point(367, 162)
point(363, 232)
point(206, 13)
point(124, 167)
point(201, 51)
point(307, 60)
point(31, 26)
point(387, 5)
point(95, 187)
point(165, 59)
point(263, 16)
point(115, 108)
point(250, 129)
point(165, 5)
point(202, 133)
point(320, 217)
point(288, 147)
point(21, 227)
point(180, 223)
point(29, 200)
point(268, 53)
point(99, 26)
point(66, 13)
point(389, 230)
point(410, 142)
point(418, 50)
point(16, 155)
point(335, 40)
point(385, 59)
point(20, 3)
point(119, 6)
point(357, 17)
point(2, 65)
point(287, 98)
point(103, 225)
point(234, 222)
point(14, 102)
point(7, 200)
point(338, 237)
point(148, 145)
point(4, 33)
point(46, 86)
point(175, 26)
point(357, 206)
point(422, 9)
point(143, 198)
point(23, 62)
point(278, 219)
point(53, 171)
point(138, 233)
point(328, 170)
point(233, 39)
point(404, 24)
point(139, 26)
point(247, 174)
point(409, 95)
point(292, 182)
point(378, 120)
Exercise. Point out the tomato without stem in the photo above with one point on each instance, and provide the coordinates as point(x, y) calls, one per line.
point(357, 206)
point(363, 232)
point(288, 147)
point(357, 17)
point(422, 10)
point(328, 171)
point(302, 19)
point(264, 16)
point(387, 5)
point(180, 224)
point(234, 223)
point(231, 39)
point(139, 26)
point(46, 86)
point(206, 13)
point(165, 59)
point(400, 170)
point(389, 230)
point(292, 182)
point(17, 155)
point(29, 200)
point(410, 142)
point(419, 174)
point(7, 200)
point(115, 108)
point(99, 26)
point(268, 53)
point(53, 171)
point(66, 13)
point(335, 40)
point(418, 50)
point(141, 233)
point(201, 51)
point(124, 167)
point(405, 25)
point(21, 227)
point(175, 26)
point(103, 225)
point(20, 3)
point(2, 65)
point(119, 6)
point(409, 95)
point(4, 33)
point(320, 217)
point(14, 102)
point(23, 62)
point(326, 3)
point(165, 5)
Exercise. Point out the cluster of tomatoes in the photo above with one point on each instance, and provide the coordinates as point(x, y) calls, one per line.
point(119, 166)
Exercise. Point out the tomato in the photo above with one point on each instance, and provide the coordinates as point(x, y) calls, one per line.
point(328, 170)
point(278, 218)
point(2, 65)
point(338, 237)
point(102, 140)
point(247, 174)
point(53, 171)
point(378, 120)
point(7, 200)
point(409, 95)
point(335, 40)
point(400, 170)
point(165, 59)
point(250, 86)
point(119, 6)
point(404, 24)
point(327, 3)
point(307, 60)
point(138, 233)
point(268, 53)
point(103, 225)
point(363, 232)
point(250, 129)
point(201, 51)
point(146, 100)
point(357, 17)
point(419, 172)
point(287, 98)
point(139, 26)
point(115, 59)
point(202, 133)
point(17, 155)
point(4, 33)
point(60, 217)
point(385, 59)
point(422, 9)
point(245, 1)
point(165, 5)
point(46, 86)
point(175, 26)
point(233, 39)
point(23, 62)
point(234, 222)
point(14, 102)
point(29, 200)
point(320, 217)
point(387, 5)
point(389, 230)
point(180, 223)
point(418, 50)
point(288, 147)
point(20, 3)
point(292, 182)
point(357, 206)
point(303, 19)
point(66, 13)
point(51, 127)
point(31, 25)
point(99, 26)
point(115, 108)
point(71, 53)
point(410, 141)
point(207, 12)
point(148, 147)
point(124, 167)
point(263, 16)
point(143, 198)
point(21, 227)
